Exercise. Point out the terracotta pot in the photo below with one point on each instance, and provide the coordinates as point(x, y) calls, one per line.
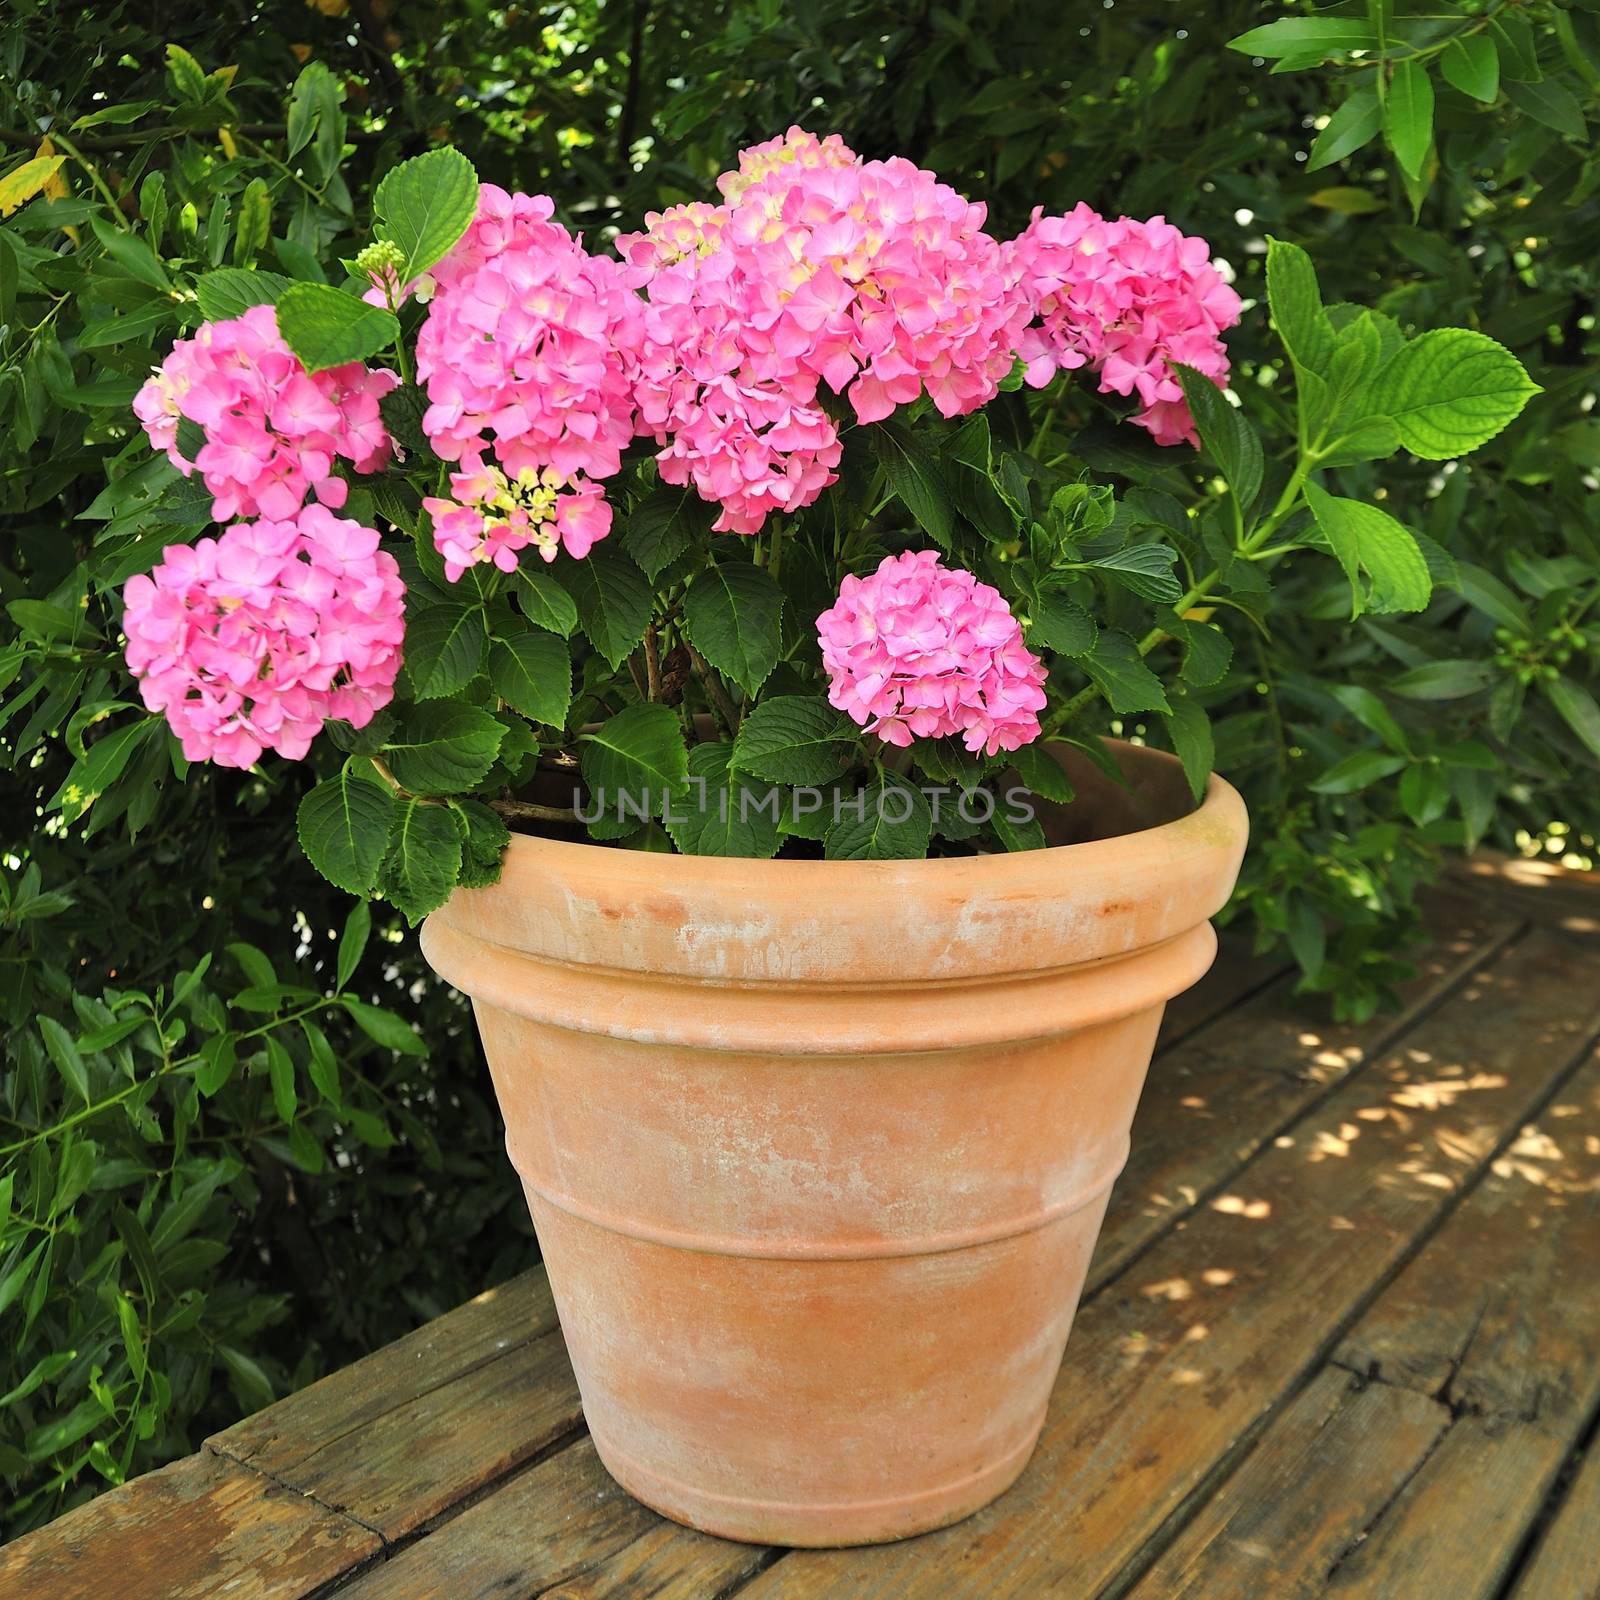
point(818, 1151)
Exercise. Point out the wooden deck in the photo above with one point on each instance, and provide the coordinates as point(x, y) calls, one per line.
point(1341, 1336)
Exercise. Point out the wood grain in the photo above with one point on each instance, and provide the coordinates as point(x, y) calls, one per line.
point(1564, 1564)
point(1226, 1316)
point(200, 1528)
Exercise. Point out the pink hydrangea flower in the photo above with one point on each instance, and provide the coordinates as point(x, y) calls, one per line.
point(253, 640)
point(917, 650)
point(527, 353)
point(872, 277)
point(272, 430)
point(492, 517)
point(1126, 299)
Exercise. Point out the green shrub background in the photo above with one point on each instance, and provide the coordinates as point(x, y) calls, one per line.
point(216, 1182)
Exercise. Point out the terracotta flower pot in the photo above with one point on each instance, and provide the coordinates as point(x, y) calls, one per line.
point(818, 1151)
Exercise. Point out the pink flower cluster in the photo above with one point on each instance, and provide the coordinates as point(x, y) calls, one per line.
point(872, 277)
point(917, 650)
point(493, 517)
point(251, 641)
point(527, 353)
point(1126, 299)
point(272, 430)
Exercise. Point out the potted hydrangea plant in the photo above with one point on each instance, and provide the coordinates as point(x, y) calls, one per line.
point(712, 639)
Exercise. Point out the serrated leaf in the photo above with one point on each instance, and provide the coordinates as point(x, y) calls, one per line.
point(327, 328)
point(662, 526)
point(1472, 65)
point(229, 292)
point(1365, 539)
point(613, 601)
point(1296, 305)
point(1146, 569)
point(888, 820)
point(718, 814)
point(634, 760)
point(425, 205)
point(1126, 682)
point(532, 673)
point(796, 739)
point(544, 602)
point(1226, 435)
point(423, 860)
point(343, 826)
point(914, 477)
point(1207, 653)
point(1189, 728)
point(1041, 774)
point(484, 837)
point(1408, 115)
point(1059, 624)
point(443, 649)
point(443, 748)
point(732, 613)
point(1450, 391)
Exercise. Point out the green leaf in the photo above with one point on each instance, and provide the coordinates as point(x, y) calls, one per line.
point(1296, 305)
point(102, 764)
point(444, 748)
point(384, 1027)
point(1354, 124)
point(280, 1071)
point(889, 820)
point(425, 205)
point(532, 673)
point(634, 760)
point(1358, 770)
point(1443, 680)
point(252, 1388)
point(229, 292)
point(1578, 710)
point(1551, 103)
point(444, 649)
point(353, 941)
point(794, 738)
point(327, 328)
point(1145, 569)
point(1190, 730)
point(1365, 539)
point(1424, 793)
point(1519, 53)
point(1450, 391)
point(134, 256)
point(662, 526)
point(1472, 65)
point(1305, 36)
point(43, 1371)
point(544, 602)
point(915, 478)
point(1408, 115)
point(343, 825)
point(423, 860)
point(1371, 713)
point(484, 837)
point(1226, 434)
point(613, 603)
point(732, 613)
point(1041, 774)
point(61, 1050)
point(1207, 653)
point(1059, 624)
point(719, 814)
point(1126, 682)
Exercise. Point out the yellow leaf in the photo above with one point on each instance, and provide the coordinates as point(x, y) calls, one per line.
point(56, 185)
point(225, 139)
point(301, 53)
point(1350, 202)
point(22, 183)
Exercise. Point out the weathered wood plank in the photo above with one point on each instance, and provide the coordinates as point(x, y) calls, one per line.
point(545, 1527)
point(1217, 1098)
point(667, 1563)
point(200, 1528)
point(1564, 1565)
point(429, 1357)
point(1542, 891)
point(1496, 1315)
point(416, 1459)
point(1455, 1528)
point(1499, 1314)
point(1306, 1497)
point(1224, 1317)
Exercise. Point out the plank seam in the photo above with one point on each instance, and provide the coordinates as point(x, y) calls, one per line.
point(1231, 1460)
point(1539, 1527)
point(1471, 966)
